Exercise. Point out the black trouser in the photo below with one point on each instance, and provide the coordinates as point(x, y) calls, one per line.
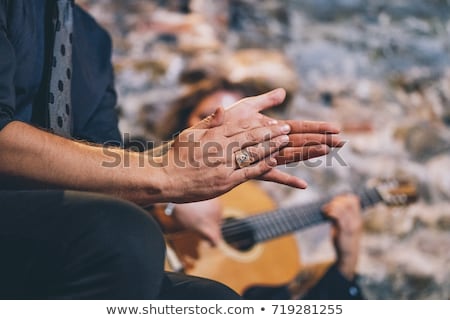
point(76, 245)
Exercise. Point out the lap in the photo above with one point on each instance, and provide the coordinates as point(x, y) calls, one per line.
point(51, 238)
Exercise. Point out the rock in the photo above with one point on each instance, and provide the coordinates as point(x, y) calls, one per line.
point(444, 93)
point(381, 219)
point(439, 177)
point(330, 10)
point(430, 215)
point(268, 67)
point(409, 268)
point(425, 140)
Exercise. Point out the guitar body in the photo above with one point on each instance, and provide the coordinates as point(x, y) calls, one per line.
point(270, 263)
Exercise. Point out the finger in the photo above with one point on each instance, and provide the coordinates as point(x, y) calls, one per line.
point(312, 127)
point(281, 177)
point(262, 150)
point(355, 201)
point(253, 172)
point(339, 215)
point(310, 139)
point(333, 208)
point(346, 203)
point(334, 232)
point(212, 121)
point(343, 215)
point(332, 211)
point(258, 135)
point(212, 235)
point(295, 154)
point(257, 120)
point(326, 208)
point(263, 101)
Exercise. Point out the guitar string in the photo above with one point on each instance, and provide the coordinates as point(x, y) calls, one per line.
point(291, 216)
point(263, 222)
point(282, 213)
point(284, 220)
point(268, 226)
point(275, 223)
point(279, 224)
point(292, 219)
point(252, 221)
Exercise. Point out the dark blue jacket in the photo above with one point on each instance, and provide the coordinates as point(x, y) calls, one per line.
point(24, 67)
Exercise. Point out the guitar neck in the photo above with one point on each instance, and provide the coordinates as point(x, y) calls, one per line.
point(276, 223)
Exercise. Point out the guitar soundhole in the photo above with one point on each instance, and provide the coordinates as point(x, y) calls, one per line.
point(238, 234)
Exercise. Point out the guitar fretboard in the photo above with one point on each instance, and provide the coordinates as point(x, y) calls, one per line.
point(276, 223)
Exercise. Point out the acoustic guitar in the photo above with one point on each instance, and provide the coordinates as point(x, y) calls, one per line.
point(246, 257)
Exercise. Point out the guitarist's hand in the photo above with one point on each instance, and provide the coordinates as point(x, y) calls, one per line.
point(344, 211)
point(203, 217)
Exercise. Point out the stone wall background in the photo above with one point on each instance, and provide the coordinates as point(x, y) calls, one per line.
point(381, 69)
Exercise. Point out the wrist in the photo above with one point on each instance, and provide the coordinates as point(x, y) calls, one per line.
point(170, 179)
point(155, 180)
point(347, 267)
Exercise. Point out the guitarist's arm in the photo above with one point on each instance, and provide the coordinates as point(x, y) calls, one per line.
point(339, 282)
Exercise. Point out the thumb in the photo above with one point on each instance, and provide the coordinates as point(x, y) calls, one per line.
point(213, 235)
point(212, 121)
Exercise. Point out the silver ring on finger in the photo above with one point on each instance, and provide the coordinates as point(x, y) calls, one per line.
point(242, 158)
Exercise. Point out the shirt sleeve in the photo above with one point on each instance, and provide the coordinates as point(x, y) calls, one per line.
point(103, 127)
point(334, 286)
point(7, 70)
point(94, 95)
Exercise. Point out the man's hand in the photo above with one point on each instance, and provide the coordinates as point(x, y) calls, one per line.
point(202, 160)
point(345, 213)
